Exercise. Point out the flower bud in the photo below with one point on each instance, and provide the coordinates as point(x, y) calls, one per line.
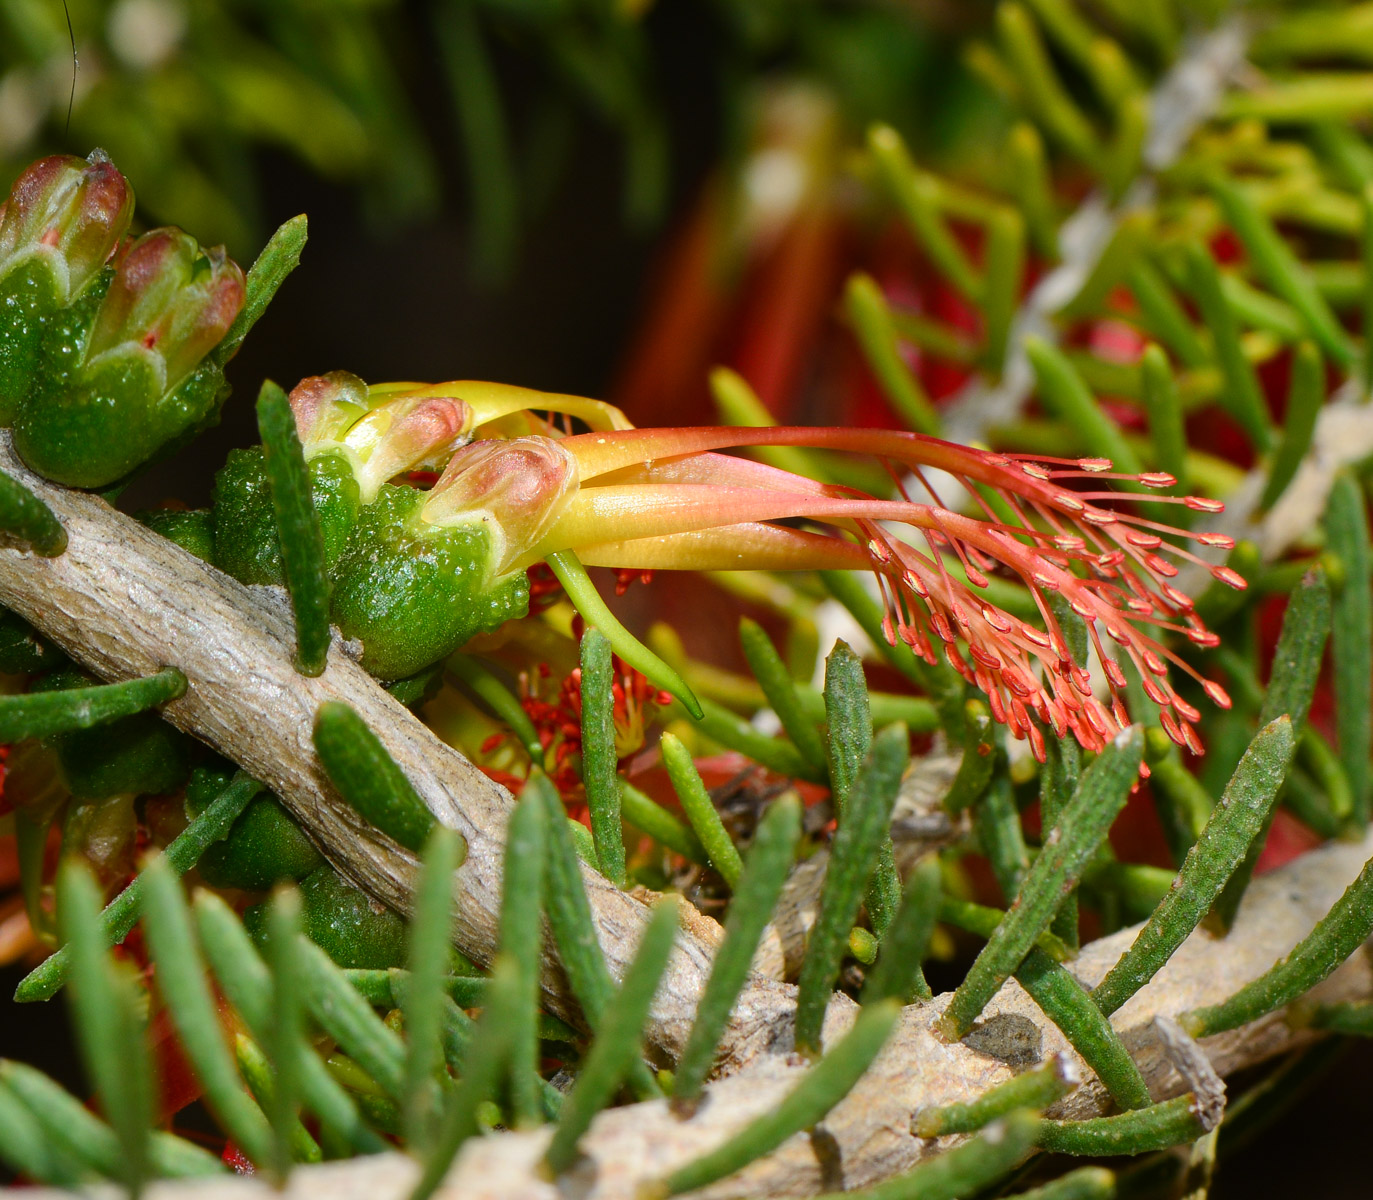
point(104, 402)
point(516, 488)
point(379, 439)
point(62, 222)
point(69, 213)
point(170, 302)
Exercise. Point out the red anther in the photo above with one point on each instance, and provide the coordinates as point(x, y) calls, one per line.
point(1189, 735)
point(888, 630)
point(1080, 606)
point(1219, 696)
point(1066, 499)
point(879, 551)
point(1111, 558)
point(1099, 516)
point(1154, 663)
point(1035, 471)
point(998, 620)
point(1117, 635)
point(1186, 711)
point(941, 626)
point(1092, 712)
point(1095, 464)
point(1157, 479)
point(1046, 582)
point(1170, 727)
point(915, 583)
point(1145, 541)
point(1153, 691)
point(1118, 712)
point(1203, 504)
point(1139, 604)
point(1177, 597)
point(1230, 577)
point(1144, 770)
point(1037, 636)
point(1037, 745)
point(1070, 543)
point(1114, 674)
point(1221, 541)
point(997, 705)
point(1203, 638)
point(975, 577)
point(1160, 566)
point(984, 657)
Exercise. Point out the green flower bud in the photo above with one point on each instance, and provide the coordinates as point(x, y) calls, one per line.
point(413, 592)
point(63, 220)
point(380, 434)
point(245, 531)
point(343, 921)
point(105, 400)
point(264, 847)
point(138, 755)
point(191, 529)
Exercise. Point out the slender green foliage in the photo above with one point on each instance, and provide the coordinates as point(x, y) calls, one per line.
point(293, 1142)
point(700, 810)
point(964, 1171)
point(734, 733)
point(1238, 819)
point(108, 1027)
point(1067, 397)
point(181, 980)
point(1335, 937)
point(247, 983)
point(617, 1044)
point(853, 856)
point(868, 315)
point(599, 758)
point(1171, 1123)
point(491, 1043)
point(1305, 396)
point(368, 777)
point(430, 934)
point(755, 898)
point(1164, 407)
point(1351, 637)
point(25, 1146)
point(819, 1090)
point(1241, 395)
point(898, 972)
point(181, 854)
point(646, 814)
point(997, 821)
point(979, 757)
point(1084, 823)
point(779, 688)
point(279, 257)
point(41, 714)
point(298, 529)
point(583, 594)
point(1035, 1089)
point(522, 893)
point(499, 699)
point(347, 1018)
point(77, 1138)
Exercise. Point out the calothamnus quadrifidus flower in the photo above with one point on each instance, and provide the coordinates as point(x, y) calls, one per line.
point(105, 340)
point(417, 572)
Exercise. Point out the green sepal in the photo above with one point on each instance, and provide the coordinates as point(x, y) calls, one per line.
point(29, 295)
point(246, 544)
point(343, 921)
point(191, 529)
point(413, 593)
point(139, 755)
point(265, 845)
point(89, 428)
